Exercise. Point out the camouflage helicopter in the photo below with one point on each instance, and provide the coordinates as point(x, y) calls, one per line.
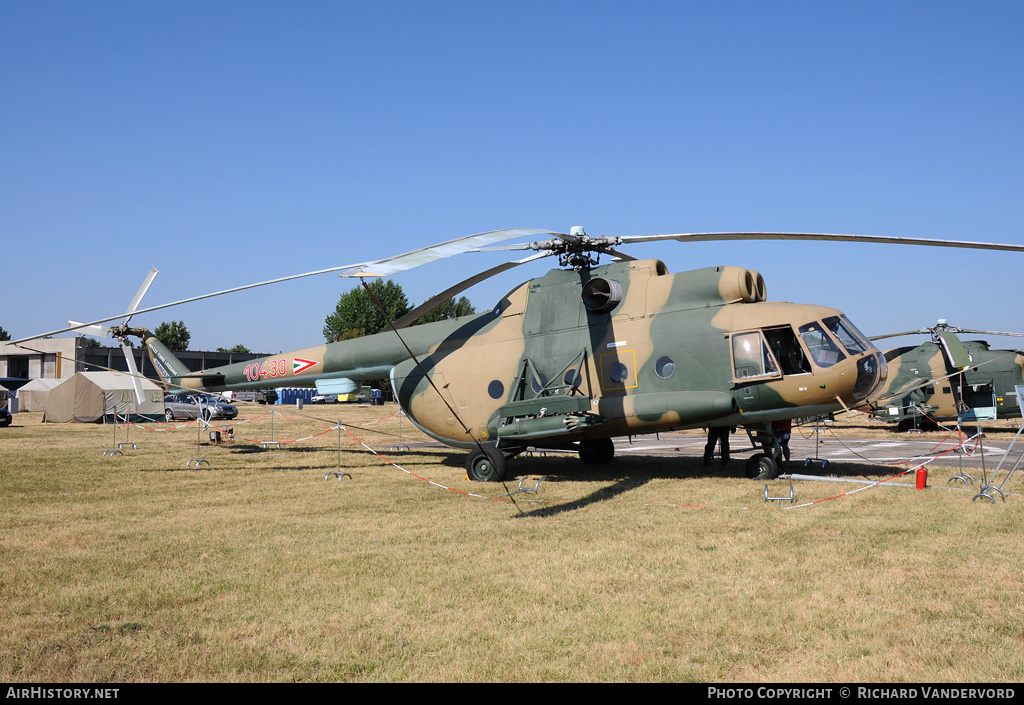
point(586, 353)
point(946, 379)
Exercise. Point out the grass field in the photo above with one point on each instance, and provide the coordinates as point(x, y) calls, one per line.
point(254, 568)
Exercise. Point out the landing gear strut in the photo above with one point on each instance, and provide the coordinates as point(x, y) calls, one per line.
point(764, 465)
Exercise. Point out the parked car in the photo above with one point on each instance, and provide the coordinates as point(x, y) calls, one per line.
point(5, 417)
point(324, 399)
point(184, 406)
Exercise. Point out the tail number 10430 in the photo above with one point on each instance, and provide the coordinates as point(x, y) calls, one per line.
point(270, 368)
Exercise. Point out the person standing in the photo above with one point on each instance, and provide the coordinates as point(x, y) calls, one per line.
point(783, 430)
point(717, 435)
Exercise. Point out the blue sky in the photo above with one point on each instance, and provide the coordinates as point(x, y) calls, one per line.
point(227, 143)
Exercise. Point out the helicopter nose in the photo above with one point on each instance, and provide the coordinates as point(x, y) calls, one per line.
point(871, 373)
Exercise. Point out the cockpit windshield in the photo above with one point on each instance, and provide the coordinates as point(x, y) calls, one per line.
point(823, 351)
point(847, 335)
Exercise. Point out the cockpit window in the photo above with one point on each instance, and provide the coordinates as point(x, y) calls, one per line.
point(846, 334)
point(751, 356)
point(823, 351)
point(858, 332)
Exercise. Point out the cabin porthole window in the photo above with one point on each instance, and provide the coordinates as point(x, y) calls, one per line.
point(618, 373)
point(665, 367)
point(496, 390)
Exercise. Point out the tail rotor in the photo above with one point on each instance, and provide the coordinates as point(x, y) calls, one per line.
point(121, 332)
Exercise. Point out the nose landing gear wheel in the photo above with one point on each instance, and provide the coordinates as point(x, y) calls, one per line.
point(486, 464)
point(762, 467)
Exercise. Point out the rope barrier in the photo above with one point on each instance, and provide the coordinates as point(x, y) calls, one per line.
point(928, 458)
point(418, 477)
point(325, 431)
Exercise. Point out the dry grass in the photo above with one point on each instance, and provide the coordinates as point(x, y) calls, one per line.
point(135, 568)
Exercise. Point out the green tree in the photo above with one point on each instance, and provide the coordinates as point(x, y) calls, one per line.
point(174, 335)
point(448, 309)
point(4, 335)
point(87, 342)
point(237, 349)
point(356, 314)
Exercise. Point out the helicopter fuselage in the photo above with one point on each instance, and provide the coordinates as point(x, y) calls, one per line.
point(923, 387)
point(620, 349)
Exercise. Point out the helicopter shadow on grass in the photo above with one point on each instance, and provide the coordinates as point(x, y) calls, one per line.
point(626, 474)
point(612, 480)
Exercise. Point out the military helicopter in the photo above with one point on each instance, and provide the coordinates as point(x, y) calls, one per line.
point(946, 379)
point(586, 353)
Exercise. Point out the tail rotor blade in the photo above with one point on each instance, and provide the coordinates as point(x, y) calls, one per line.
point(101, 331)
point(141, 292)
point(133, 370)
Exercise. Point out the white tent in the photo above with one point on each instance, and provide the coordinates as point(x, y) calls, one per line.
point(89, 396)
point(34, 395)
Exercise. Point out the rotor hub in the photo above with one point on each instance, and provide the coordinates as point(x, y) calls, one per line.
point(575, 249)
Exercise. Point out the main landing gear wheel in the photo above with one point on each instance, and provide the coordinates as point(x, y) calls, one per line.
point(486, 464)
point(762, 467)
point(599, 451)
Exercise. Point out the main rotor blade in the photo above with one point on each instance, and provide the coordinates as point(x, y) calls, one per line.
point(929, 331)
point(833, 237)
point(435, 301)
point(400, 263)
point(897, 335)
point(621, 255)
point(955, 351)
point(990, 332)
point(387, 266)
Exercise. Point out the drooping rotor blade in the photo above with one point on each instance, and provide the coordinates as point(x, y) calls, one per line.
point(133, 370)
point(400, 263)
point(506, 248)
point(833, 237)
point(435, 301)
point(621, 255)
point(382, 267)
point(955, 351)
